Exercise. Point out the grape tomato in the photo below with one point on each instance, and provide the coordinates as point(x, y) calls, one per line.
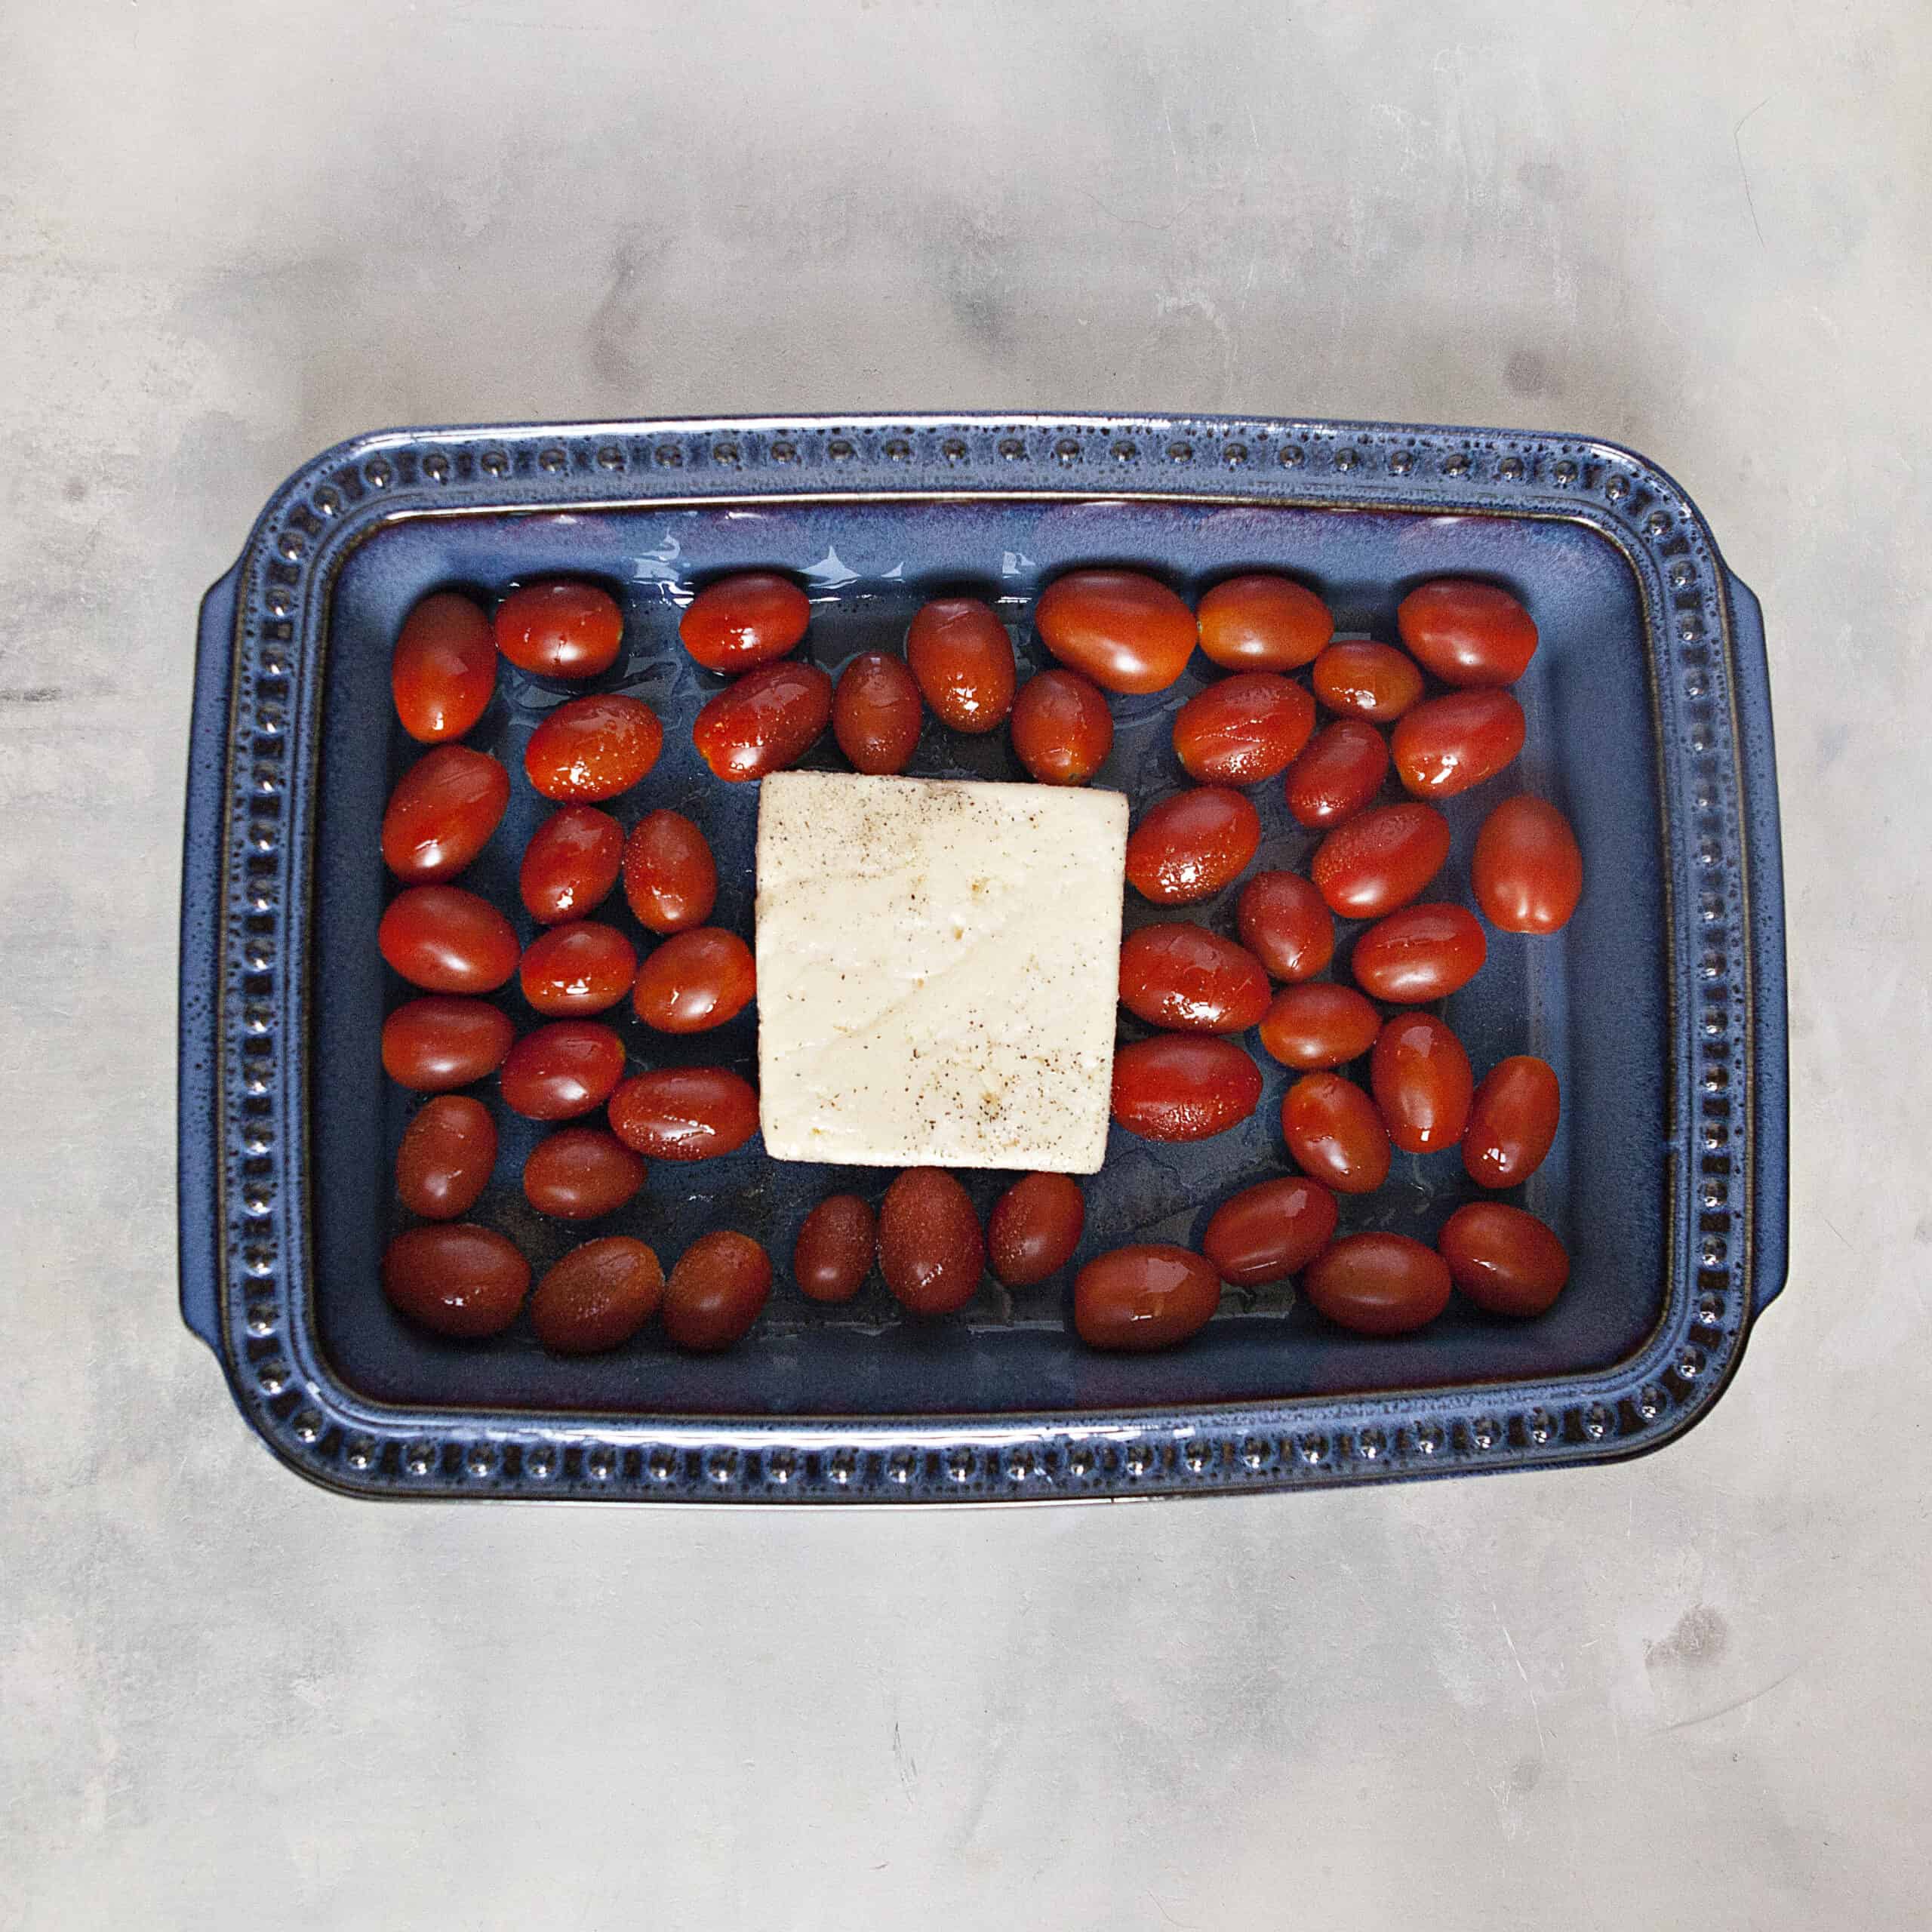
point(443, 672)
point(1062, 727)
point(1339, 772)
point(1467, 633)
point(1286, 924)
point(877, 713)
point(1270, 1231)
point(442, 812)
point(441, 1041)
point(1126, 631)
point(562, 1070)
point(930, 1250)
point(715, 1292)
point(1421, 952)
point(446, 940)
point(456, 1278)
point(560, 629)
point(593, 748)
point(834, 1252)
point(1335, 1134)
point(570, 864)
point(444, 1164)
point(1183, 977)
point(1259, 622)
point(1419, 1075)
point(670, 878)
point(684, 1113)
point(1380, 860)
point(1360, 679)
point(1528, 873)
point(1190, 845)
point(1378, 1283)
point(1447, 744)
point(961, 659)
point(1183, 1087)
point(1513, 1121)
point(767, 721)
point(740, 622)
point(695, 980)
point(1149, 1296)
point(580, 1173)
point(1503, 1258)
point(1243, 729)
point(597, 1297)
point(1035, 1227)
point(580, 967)
point(1318, 1024)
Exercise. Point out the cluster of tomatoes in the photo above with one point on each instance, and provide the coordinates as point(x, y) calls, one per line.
point(1110, 630)
point(454, 946)
point(1375, 862)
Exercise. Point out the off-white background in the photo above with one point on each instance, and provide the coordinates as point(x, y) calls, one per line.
point(1689, 1691)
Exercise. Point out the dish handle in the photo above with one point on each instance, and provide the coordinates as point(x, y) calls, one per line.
point(1763, 865)
point(201, 1242)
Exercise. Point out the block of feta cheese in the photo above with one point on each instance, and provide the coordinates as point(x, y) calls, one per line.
point(938, 967)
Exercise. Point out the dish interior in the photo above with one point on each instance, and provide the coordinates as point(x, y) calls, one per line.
point(1592, 1000)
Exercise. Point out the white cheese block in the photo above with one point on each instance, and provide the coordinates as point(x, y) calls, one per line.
point(938, 967)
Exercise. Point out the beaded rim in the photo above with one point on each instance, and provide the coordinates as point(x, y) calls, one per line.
point(243, 1098)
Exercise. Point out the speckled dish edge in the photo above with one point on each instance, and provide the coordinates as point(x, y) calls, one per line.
point(245, 1256)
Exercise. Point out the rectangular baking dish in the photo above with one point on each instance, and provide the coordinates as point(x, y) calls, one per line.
point(1661, 1005)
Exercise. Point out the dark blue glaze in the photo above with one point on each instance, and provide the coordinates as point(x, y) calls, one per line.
point(1661, 1005)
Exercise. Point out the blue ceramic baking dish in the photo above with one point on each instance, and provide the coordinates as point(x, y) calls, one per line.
point(1661, 1005)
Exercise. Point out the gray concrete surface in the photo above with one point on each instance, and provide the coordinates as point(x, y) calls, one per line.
point(1688, 1691)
